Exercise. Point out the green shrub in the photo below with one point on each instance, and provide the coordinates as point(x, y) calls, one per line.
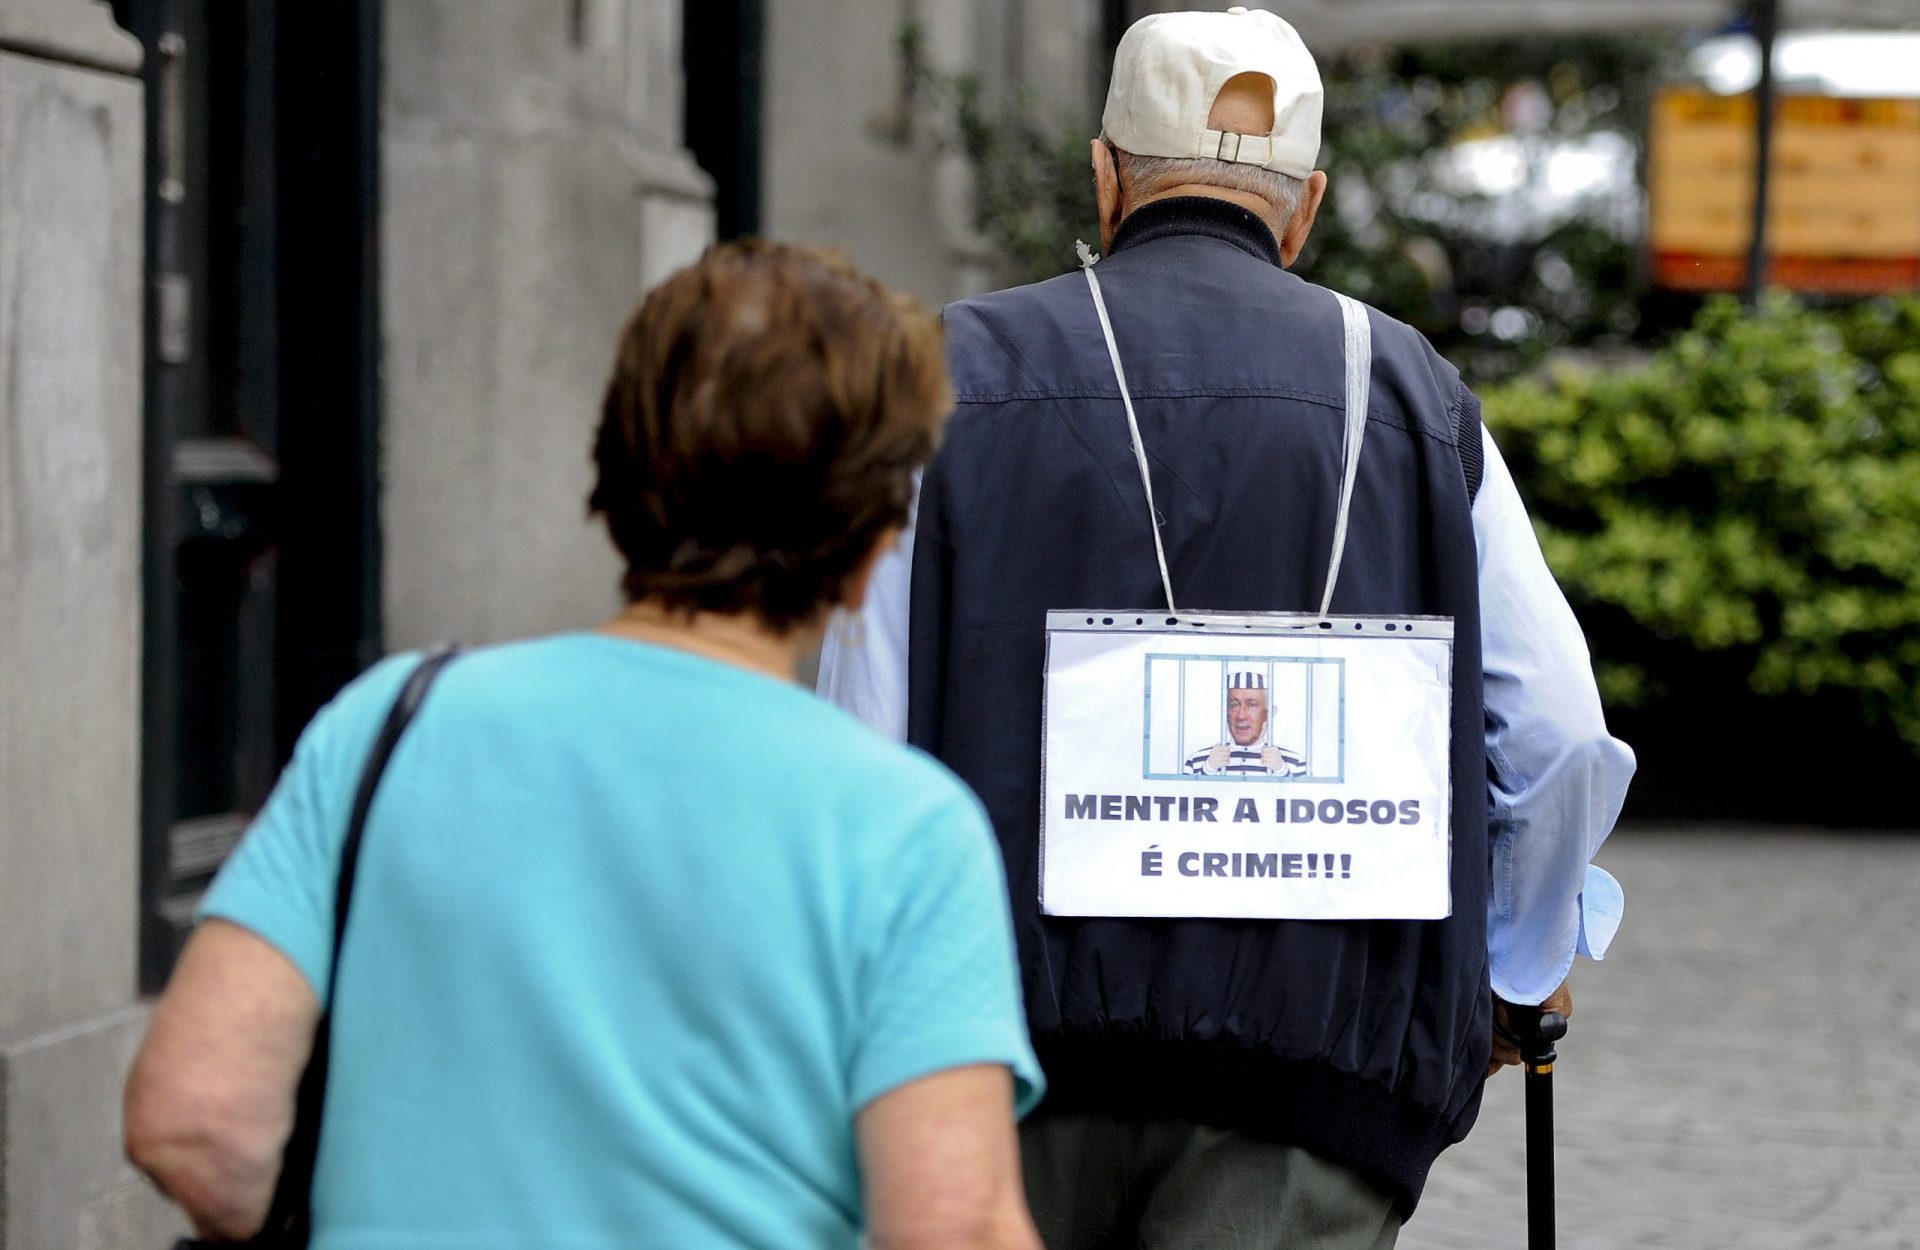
point(1751, 495)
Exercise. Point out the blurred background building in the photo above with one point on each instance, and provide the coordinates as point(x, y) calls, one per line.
point(305, 309)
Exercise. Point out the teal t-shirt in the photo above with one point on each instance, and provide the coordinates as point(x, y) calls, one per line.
point(635, 935)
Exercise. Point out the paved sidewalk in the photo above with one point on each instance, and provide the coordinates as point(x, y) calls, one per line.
point(1743, 1070)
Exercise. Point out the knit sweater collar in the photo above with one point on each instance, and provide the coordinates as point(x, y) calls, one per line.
point(1197, 214)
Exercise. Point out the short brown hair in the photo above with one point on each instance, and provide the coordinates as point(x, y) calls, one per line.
point(768, 408)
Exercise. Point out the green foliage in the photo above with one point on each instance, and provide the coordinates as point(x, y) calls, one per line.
point(1033, 181)
point(1751, 495)
point(1404, 237)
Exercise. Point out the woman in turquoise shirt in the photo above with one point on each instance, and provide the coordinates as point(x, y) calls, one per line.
point(649, 947)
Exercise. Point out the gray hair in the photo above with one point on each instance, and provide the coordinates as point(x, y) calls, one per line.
point(1144, 176)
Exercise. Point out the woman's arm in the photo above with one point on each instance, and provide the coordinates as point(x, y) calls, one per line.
point(941, 1164)
point(209, 1103)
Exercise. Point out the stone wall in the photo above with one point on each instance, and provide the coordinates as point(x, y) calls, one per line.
point(71, 144)
point(533, 187)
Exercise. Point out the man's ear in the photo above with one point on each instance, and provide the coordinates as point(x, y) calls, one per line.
point(1294, 236)
point(1106, 192)
point(862, 578)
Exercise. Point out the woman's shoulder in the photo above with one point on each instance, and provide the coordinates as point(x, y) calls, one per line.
point(825, 753)
point(354, 713)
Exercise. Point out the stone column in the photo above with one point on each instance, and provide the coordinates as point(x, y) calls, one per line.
point(71, 144)
point(534, 185)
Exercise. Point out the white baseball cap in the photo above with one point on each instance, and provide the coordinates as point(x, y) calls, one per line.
point(1170, 67)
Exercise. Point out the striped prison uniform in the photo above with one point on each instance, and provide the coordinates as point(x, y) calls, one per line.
point(1246, 760)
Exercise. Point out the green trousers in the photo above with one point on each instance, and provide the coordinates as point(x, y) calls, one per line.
point(1098, 1182)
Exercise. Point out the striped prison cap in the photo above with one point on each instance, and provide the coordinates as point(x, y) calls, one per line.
point(1247, 681)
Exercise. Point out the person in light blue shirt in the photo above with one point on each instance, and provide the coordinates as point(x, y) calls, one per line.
point(649, 947)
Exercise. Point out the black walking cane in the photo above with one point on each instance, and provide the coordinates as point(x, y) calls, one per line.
point(1535, 1031)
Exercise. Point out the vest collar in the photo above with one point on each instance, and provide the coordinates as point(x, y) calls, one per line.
point(1198, 214)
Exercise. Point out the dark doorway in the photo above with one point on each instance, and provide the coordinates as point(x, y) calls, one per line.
point(260, 411)
point(721, 60)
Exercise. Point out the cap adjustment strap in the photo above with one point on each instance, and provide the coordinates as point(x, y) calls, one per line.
point(1225, 145)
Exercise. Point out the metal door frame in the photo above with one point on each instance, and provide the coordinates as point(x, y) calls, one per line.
point(306, 369)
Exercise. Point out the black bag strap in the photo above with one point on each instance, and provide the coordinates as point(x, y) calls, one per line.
point(289, 1223)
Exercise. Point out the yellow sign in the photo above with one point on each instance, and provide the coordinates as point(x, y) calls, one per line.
point(1844, 206)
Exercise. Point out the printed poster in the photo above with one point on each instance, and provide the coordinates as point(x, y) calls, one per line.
point(1258, 767)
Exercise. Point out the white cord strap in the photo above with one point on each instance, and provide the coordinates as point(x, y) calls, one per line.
point(1359, 361)
point(1133, 423)
point(1359, 353)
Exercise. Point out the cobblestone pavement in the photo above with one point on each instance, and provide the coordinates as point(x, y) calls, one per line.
point(1742, 1071)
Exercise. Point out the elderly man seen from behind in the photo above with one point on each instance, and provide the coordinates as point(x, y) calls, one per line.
point(1240, 1083)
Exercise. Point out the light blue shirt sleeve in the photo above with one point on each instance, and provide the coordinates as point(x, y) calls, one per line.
point(940, 987)
point(280, 881)
point(1557, 779)
point(863, 663)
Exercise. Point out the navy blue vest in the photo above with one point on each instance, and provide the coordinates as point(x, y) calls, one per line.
point(1364, 1042)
